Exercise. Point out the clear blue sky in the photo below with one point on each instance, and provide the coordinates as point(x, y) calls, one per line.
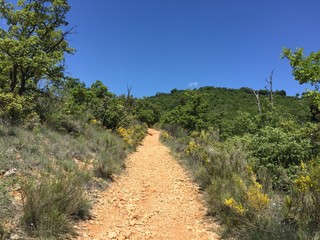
point(158, 45)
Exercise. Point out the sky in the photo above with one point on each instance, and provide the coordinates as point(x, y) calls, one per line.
point(154, 46)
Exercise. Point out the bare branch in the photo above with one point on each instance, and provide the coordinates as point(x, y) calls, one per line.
point(256, 93)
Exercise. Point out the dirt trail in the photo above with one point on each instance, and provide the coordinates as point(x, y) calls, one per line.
point(153, 199)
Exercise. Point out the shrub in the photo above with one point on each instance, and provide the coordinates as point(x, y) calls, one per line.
point(61, 166)
point(232, 190)
point(304, 203)
point(133, 135)
point(14, 108)
point(278, 152)
point(105, 168)
point(66, 123)
point(50, 203)
point(110, 159)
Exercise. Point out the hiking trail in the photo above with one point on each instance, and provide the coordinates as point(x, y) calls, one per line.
point(153, 199)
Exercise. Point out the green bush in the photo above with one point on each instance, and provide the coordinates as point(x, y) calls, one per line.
point(133, 135)
point(304, 202)
point(50, 204)
point(277, 153)
point(233, 192)
point(66, 123)
point(66, 164)
point(15, 108)
point(105, 168)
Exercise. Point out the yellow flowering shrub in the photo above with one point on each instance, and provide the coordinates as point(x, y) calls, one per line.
point(304, 183)
point(133, 135)
point(95, 122)
point(309, 179)
point(126, 135)
point(305, 202)
point(195, 134)
point(252, 199)
point(234, 205)
point(256, 199)
point(165, 135)
point(191, 147)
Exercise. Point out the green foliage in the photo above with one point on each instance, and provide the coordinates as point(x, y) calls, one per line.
point(32, 48)
point(247, 178)
point(304, 203)
point(15, 108)
point(95, 103)
point(305, 69)
point(48, 205)
point(278, 152)
point(190, 114)
point(6, 206)
point(147, 112)
point(222, 107)
point(55, 170)
point(222, 171)
point(110, 161)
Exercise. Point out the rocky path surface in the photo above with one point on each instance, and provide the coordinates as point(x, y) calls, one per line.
point(153, 199)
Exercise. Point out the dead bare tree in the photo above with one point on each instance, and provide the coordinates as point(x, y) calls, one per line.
point(129, 103)
point(270, 89)
point(256, 93)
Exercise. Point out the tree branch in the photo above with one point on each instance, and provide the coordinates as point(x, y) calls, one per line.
point(60, 40)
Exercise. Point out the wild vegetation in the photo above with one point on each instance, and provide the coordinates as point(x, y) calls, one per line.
point(258, 165)
point(59, 139)
point(254, 153)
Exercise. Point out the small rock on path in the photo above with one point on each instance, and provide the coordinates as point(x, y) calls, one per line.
point(153, 199)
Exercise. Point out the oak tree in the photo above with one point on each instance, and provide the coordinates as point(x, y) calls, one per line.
point(33, 43)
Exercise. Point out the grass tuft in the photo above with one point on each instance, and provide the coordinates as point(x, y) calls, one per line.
point(49, 204)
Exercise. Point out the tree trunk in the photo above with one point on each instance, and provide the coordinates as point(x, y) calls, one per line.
point(256, 93)
point(23, 83)
point(13, 77)
point(270, 89)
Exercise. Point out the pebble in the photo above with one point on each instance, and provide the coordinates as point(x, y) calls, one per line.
point(15, 237)
point(10, 172)
point(112, 235)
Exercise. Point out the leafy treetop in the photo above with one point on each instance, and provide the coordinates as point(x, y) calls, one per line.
point(33, 45)
point(306, 69)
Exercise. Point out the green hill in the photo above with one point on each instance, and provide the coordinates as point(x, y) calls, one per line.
point(224, 104)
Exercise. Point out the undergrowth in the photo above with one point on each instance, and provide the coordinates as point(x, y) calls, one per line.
point(245, 201)
point(54, 173)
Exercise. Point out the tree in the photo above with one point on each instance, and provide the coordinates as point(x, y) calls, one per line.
point(256, 93)
point(306, 69)
point(270, 89)
point(191, 114)
point(147, 112)
point(32, 47)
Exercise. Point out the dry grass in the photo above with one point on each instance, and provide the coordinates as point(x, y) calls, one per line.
point(55, 172)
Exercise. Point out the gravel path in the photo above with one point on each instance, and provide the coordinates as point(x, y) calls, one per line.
point(153, 199)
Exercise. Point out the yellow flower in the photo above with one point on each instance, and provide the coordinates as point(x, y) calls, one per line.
point(165, 135)
point(191, 147)
point(304, 183)
point(303, 166)
point(257, 199)
point(126, 135)
point(237, 207)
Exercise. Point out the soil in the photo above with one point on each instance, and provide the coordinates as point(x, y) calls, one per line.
point(153, 199)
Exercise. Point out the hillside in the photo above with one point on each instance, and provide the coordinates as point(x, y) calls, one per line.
point(223, 105)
